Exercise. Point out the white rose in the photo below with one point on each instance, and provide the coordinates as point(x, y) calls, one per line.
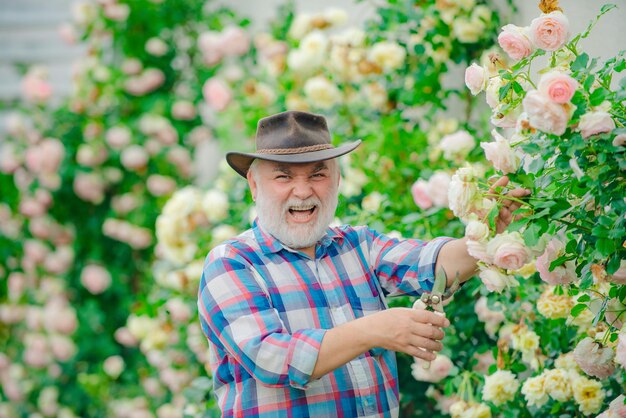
point(223, 233)
point(437, 188)
point(508, 251)
point(500, 387)
point(468, 31)
point(477, 231)
point(322, 92)
point(496, 281)
point(457, 145)
point(387, 55)
point(215, 205)
point(371, 203)
point(500, 153)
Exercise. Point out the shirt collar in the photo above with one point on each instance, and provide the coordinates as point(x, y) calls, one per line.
point(269, 244)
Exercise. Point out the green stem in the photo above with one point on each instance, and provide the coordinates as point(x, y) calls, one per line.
point(514, 199)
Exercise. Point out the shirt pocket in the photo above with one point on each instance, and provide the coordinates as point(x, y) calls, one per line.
point(366, 305)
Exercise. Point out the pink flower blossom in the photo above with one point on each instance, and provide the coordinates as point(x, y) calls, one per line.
point(45, 157)
point(476, 78)
point(549, 31)
point(457, 145)
point(183, 110)
point(593, 123)
point(217, 94)
point(117, 11)
point(619, 140)
point(89, 187)
point(59, 317)
point(557, 86)
point(62, 347)
point(178, 309)
point(35, 86)
point(515, 42)
point(478, 250)
point(159, 185)
point(209, 44)
point(439, 369)
point(544, 114)
point(95, 278)
point(419, 190)
point(118, 137)
point(234, 41)
point(617, 409)
point(500, 153)
point(496, 281)
point(594, 359)
point(562, 274)
point(67, 32)
point(508, 251)
point(619, 277)
point(125, 337)
point(438, 185)
point(134, 158)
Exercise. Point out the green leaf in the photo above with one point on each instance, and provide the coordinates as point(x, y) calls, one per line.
point(606, 247)
point(598, 96)
point(580, 62)
point(536, 165)
point(532, 234)
point(584, 298)
point(621, 295)
point(578, 309)
point(559, 261)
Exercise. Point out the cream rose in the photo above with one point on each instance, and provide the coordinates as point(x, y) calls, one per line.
point(419, 191)
point(508, 250)
point(593, 123)
point(515, 42)
point(594, 359)
point(322, 92)
point(544, 114)
point(549, 31)
point(557, 86)
point(476, 78)
point(496, 281)
point(457, 145)
point(217, 94)
point(562, 274)
point(500, 153)
point(500, 387)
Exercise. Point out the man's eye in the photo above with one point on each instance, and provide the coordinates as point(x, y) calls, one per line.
point(281, 177)
point(319, 175)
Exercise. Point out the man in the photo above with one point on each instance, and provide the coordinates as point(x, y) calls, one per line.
point(294, 310)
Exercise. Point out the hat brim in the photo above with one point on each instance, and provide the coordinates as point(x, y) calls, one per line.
point(240, 161)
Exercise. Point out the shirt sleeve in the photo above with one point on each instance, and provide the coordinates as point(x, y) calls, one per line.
point(404, 267)
point(238, 315)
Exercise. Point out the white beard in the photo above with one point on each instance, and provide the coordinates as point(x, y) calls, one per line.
point(273, 218)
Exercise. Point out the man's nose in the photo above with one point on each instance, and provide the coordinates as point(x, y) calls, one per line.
point(302, 190)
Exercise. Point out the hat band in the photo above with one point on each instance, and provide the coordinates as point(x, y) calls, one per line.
point(295, 150)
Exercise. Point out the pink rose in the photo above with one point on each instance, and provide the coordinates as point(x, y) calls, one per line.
point(501, 154)
point(183, 110)
point(619, 140)
point(209, 44)
point(457, 145)
point(159, 185)
point(58, 317)
point(437, 188)
point(478, 250)
point(544, 114)
point(593, 123)
point(619, 277)
point(508, 251)
point(67, 32)
point(45, 157)
point(562, 274)
point(495, 281)
point(419, 190)
point(132, 66)
point(439, 369)
point(63, 348)
point(95, 278)
point(89, 187)
point(476, 78)
point(134, 158)
point(118, 137)
point(117, 11)
point(91, 156)
point(549, 31)
point(35, 87)
point(557, 86)
point(594, 359)
point(234, 41)
point(515, 42)
point(217, 94)
point(178, 309)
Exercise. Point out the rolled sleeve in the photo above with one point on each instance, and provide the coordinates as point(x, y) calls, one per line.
point(405, 267)
point(239, 317)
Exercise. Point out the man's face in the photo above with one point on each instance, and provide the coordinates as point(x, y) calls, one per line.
point(295, 202)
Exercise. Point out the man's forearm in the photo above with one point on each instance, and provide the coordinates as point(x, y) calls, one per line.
point(455, 260)
point(340, 345)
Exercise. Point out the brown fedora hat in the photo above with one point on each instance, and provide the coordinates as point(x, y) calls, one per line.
point(292, 137)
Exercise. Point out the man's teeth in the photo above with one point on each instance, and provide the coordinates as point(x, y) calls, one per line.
point(302, 208)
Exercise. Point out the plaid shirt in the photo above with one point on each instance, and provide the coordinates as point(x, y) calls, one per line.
point(265, 308)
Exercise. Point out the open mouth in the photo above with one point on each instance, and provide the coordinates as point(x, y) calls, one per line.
point(302, 213)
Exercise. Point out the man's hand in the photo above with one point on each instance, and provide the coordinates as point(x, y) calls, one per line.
point(416, 332)
point(505, 217)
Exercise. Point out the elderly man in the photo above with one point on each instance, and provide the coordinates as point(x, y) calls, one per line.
point(294, 310)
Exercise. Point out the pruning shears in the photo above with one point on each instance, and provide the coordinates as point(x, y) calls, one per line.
point(433, 301)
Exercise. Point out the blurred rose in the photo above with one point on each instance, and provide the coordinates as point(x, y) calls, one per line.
point(492, 92)
point(95, 278)
point(178, 309)
point(549, 31)
point(118, 137)
point(45, 157)
point(557, 86)
point(132, 66)
point(372, 202)
point(209, 44)
point(439, 369)
point(476, 78)
point(125, 337)
point(620, 350)
point(463, 192)
point(63, 348)
point(234, 41)
point(9, 160)
point(16, 284)
point(562, 274)
point(476, 230)
point(419, 190)
point(156, 47)
point(67, 32)
point(89, 155)
point(134, 158)
point(89, 187)
point(619, 277)
point(59, 261)
point(181, 158)
point(125, 203)
point(515, 42)
point(593, 123)
point(183, 110)
point(113, 366)
point(544, 114)
point(223, 232)
point(438, 185)
point(215, 205)
point(322, 92)
point(619, 140)
point(37, 353)
point(387, 55)
point(159, 185)
point(217, 94)
point(457, 145)
point(35, 85)
point(117, 11)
